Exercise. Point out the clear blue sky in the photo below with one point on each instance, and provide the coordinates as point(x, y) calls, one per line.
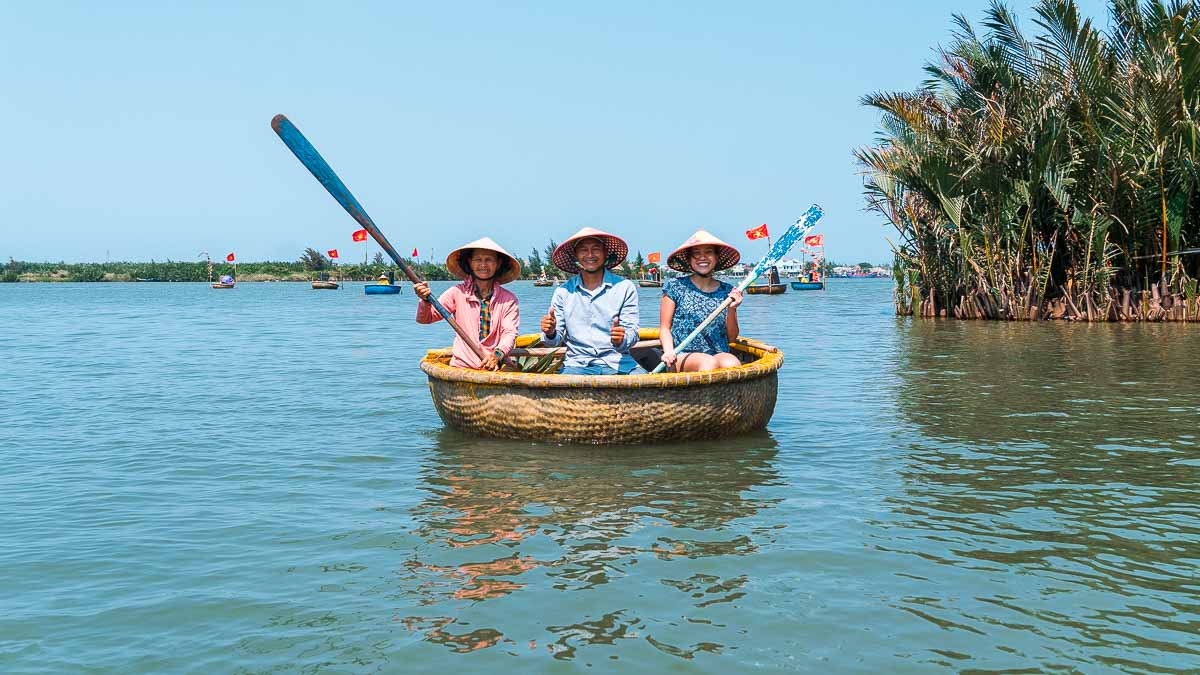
point(142, 129)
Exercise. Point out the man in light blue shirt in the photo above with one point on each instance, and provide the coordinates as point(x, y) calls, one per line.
point(595, 313)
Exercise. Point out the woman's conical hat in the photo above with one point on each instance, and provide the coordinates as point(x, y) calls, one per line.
point(727, 256)
point(564, 256)
point(486, 243)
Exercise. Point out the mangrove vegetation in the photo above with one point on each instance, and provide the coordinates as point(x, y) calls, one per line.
point(1048, 175)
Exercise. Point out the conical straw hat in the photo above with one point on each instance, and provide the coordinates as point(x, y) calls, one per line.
point(486, 243)
point(727, 256)
point(564, 256)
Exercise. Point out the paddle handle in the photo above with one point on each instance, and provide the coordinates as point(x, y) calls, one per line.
point(320, 169)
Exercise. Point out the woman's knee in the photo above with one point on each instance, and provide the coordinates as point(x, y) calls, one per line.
point(727, 360)
point(694, 362)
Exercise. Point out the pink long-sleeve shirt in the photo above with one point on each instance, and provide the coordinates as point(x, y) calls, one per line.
point(461, 301)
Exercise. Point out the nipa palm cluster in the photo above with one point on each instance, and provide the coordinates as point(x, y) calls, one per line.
point(1048, 176)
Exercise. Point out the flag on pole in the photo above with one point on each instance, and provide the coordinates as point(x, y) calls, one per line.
point(814, 240)
point(229, 257)
point(361, 235)
point(332, 252)
point(759, 232)
point(414, 253)
point(655, 257)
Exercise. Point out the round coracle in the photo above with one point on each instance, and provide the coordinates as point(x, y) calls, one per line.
point(608, 409)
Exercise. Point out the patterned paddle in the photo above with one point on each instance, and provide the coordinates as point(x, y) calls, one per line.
point(782, 245)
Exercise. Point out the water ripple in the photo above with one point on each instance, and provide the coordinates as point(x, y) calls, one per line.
point(258, 479)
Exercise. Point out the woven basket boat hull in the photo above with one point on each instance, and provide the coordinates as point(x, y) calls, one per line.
point(608, 409)
point(766, 289)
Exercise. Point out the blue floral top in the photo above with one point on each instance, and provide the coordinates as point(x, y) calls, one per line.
point(692, 305)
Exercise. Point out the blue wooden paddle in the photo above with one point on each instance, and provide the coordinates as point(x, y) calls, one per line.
point(782, 245)
point(312, 160)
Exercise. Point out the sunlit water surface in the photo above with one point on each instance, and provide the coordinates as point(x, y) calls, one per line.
point(256, 479)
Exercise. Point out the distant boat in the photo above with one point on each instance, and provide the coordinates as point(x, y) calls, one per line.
point(543, 281)
point(808, 285)
point(649, 283)
point(324, 283)
point(811, 277)
point(773, 286)
point(387, 285)
point(766, 289)
point(225, 281)
point(381, 289)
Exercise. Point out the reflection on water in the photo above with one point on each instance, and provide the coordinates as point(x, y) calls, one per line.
point(1057, 468)
point(962, 496)
point(496, 516)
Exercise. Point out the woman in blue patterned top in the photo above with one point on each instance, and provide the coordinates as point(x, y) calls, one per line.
point(687, 301)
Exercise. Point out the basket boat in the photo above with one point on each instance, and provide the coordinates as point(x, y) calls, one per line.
point(325, 285)
point(608, 409)
point(808, 285)
point(381, 289)
point(221, 284)
point(766, 289)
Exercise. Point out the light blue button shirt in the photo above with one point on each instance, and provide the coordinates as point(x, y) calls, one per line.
point(583, 320)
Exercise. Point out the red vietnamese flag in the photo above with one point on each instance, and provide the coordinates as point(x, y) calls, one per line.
point(332, 252)
point(814, 240)
point(655, 257)
point(361, 235)
point(414, 253)
point(229, 257)
point(759, 232)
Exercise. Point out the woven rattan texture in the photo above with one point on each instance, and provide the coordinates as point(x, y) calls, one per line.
point(610, 409)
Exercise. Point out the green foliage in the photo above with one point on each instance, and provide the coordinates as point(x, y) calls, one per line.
point(87, 272)
point(314, 260)
point(534, 264)
point(1049, 166)
point(198, 271)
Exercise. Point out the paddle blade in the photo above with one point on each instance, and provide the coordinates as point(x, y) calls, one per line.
point(320, 169)
point(783, 244)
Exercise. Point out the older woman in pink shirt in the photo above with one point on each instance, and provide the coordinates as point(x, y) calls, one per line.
point(479, 304)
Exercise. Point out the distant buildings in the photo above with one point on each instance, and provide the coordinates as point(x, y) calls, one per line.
point(790, 267)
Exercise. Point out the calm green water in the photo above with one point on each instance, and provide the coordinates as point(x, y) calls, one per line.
point(255, 480)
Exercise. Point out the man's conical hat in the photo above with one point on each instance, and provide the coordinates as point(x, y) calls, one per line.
point(615, 247)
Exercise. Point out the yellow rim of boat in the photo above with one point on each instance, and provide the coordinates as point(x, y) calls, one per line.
point(767, 360)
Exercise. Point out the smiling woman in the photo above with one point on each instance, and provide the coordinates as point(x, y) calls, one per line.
point(479, 303)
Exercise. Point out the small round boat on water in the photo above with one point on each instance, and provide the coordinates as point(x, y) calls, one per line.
point(608, 409)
